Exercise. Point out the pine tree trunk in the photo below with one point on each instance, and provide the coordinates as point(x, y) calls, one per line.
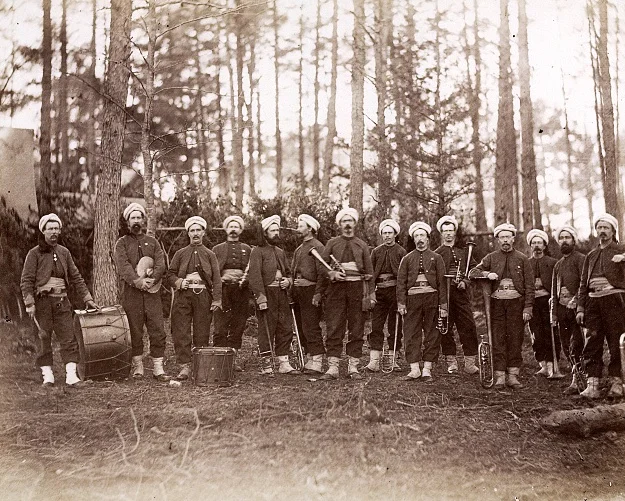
point(46, 185)
point(358, 120)
point(300, 116)
point(223, 178)
point(315, 132)
point(505, 154)
point(251, 165)
point(276, 66)
point(63, 168)
point(328, 152)
point(110, 154)
point(146, 127)
point(531, 205)
point(569, 152)
point(237, 144)
point(92, 100)
point(607, 119)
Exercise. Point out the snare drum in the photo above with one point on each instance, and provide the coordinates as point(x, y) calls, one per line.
point(104, 342)
point(213, 366)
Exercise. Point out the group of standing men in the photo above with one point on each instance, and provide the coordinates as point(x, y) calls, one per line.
point(414, 293)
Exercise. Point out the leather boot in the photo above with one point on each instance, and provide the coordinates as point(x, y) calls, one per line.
point(414, 374)
point(333, 369)
point(48, 375)
point(513, 378)
point(137, 366)
point(543, 369)
point(352, 368)
point(314, 365)
point(616, 387)
point(374, 361)
point(426, 374)
point(158, 372)
point(266, 365)
point(452, 364)
point(500, 379)
point(185, 372)
point(71, 378)
point(285, 366)
point(592, 390)
point(469, 365)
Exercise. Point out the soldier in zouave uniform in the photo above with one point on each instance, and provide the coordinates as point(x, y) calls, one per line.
point(567, 274)
point(308, 289)
point(421, 299)
point(460, 313)
point(601, 306)
point(234, 257)
point(269, 281)
point(140, 299)
point(194, 273)
point(349, 296)
point(48, 272)
point(511, 303)
point(540, 324)
point(385, 259)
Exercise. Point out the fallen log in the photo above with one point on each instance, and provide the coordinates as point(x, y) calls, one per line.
point(585, 422)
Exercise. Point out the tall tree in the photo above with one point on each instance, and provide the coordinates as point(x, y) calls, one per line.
point(328, 152)
point(531, 205)
point(300, 115)
point(315, 131)
point(358, 119)
point(47, 180)
point(91, 97)
point(251, 71)
point(569, 150)
point(109, 160)
point(383, 15)
point(505, 153)
point(276, 67)
point(607, 119)
point(237, 143)
point(63, 121)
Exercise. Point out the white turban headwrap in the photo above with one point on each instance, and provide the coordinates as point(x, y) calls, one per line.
point(607, 218)
point(134, 207)
point(236, 219)
point(47, 218)
point(346, 212)
point(195, 220)
point(389, 222)
point(310, 221)
point(419, 226)
point(446, 220)
point(536, 233)
point(568, 229)
point(268, 221)
point(504, 227)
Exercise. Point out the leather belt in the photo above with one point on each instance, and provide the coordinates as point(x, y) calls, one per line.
point(303, 282)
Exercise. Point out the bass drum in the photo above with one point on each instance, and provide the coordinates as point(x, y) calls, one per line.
point(104, 342)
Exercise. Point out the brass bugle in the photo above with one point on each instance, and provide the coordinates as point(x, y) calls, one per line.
point(315, 253)
point(470, 245)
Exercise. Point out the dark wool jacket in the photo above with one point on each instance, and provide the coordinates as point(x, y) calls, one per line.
point(209, 269)
point(127, 257)
point(306, 266)
point(265, 260)
point(520, 269)
point(38, 270)
point(434, 268)
point(461, 254)
point(221, 251)
point(395, 254)
point(362, 256)
point(614, 272)
point(545, 270)
point(567, 273)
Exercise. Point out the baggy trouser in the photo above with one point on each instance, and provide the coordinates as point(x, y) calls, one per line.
point(54, 314)
point(508, 328)
point(190, 308)
point(277, 320)
point(540, 325)
point(605, 320)
point(230, 321)
point(143, 308)
point(343, 309)
point(460, 315)
point(385, 311)
point(308, 317)
point(570, 332)
point(421, 337)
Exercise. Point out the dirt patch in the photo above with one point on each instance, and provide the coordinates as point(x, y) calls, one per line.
point(289, 438)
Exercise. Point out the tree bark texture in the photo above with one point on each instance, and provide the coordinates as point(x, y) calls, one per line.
point(237, 143)
point(46, 185)
point(315, 131)
point(64, 173)
point(328, 152)
point(146, 126)
point(276, 67)
point(300, 115)
point(109, 166)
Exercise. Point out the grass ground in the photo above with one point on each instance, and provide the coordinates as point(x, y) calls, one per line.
point(287, 437)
